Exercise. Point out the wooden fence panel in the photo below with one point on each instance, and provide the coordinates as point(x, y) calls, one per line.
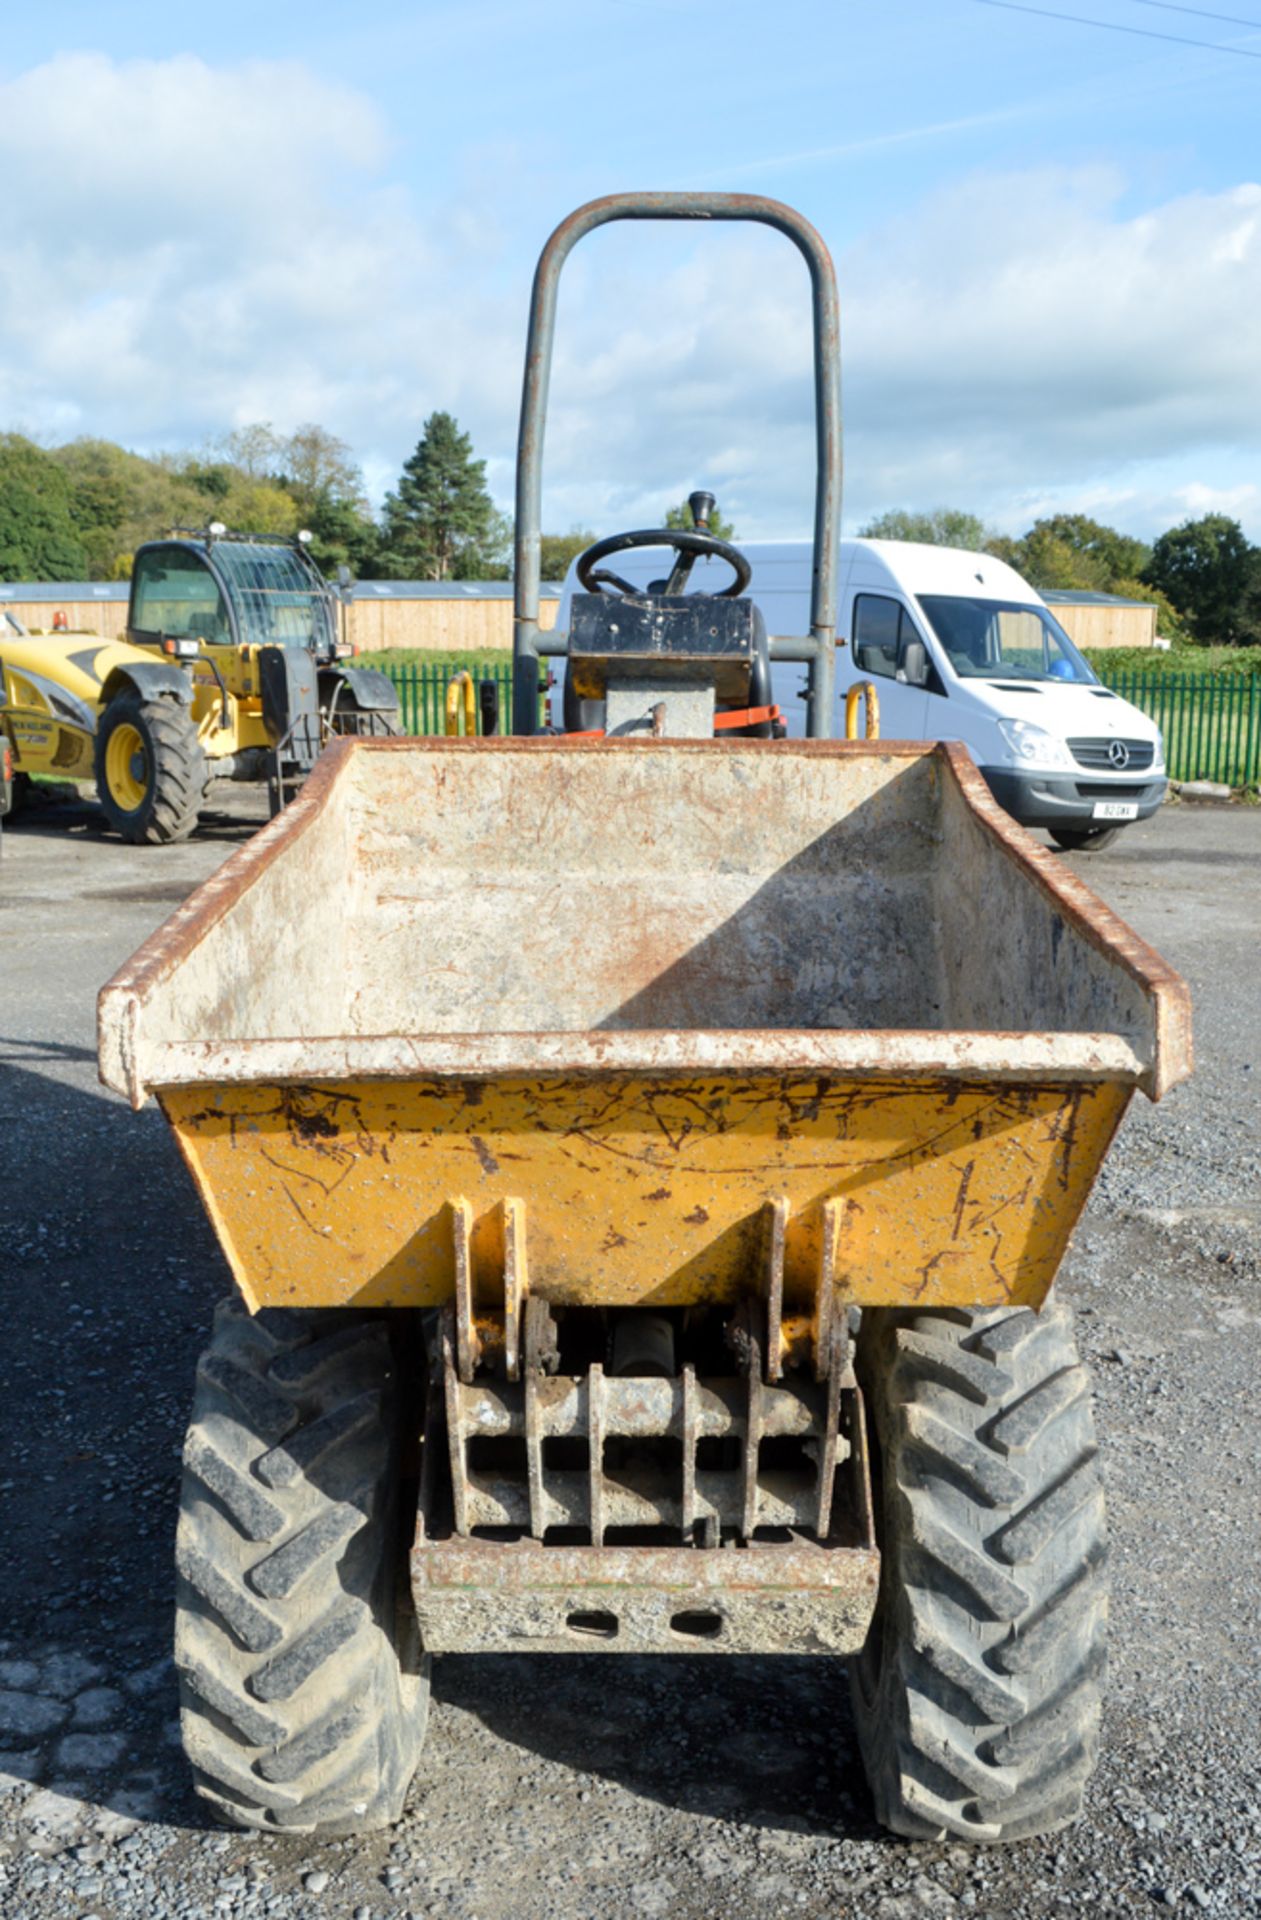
point(467, 624)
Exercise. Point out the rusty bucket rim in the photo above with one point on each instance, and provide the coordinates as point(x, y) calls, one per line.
point(121, 1003)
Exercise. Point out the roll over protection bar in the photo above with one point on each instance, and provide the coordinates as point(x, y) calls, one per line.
point(819, 650)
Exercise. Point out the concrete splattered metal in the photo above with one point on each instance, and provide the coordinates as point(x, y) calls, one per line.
point(856, 986)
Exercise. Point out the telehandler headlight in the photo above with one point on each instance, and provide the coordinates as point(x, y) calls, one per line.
point(186, 648)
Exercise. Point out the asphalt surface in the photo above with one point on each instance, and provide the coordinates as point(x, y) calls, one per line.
point(623, 1789)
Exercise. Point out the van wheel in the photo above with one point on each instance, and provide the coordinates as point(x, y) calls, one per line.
point(977, 1696)
point(1083, 839)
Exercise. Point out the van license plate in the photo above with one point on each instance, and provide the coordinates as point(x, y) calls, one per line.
point(1116, 810)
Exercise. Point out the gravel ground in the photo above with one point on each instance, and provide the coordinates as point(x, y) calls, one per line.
point(590, 1786)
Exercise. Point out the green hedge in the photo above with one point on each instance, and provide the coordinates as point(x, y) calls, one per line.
point(1227, 661)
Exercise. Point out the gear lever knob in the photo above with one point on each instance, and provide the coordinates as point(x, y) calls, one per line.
point(702, 506)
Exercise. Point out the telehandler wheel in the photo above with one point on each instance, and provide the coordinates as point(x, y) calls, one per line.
point(150, 769)
point(345, 715)
point(977, 1696)
point(304, 1691)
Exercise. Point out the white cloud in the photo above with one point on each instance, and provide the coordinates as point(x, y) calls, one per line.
point(184, 248)
point(1020, 336)
point(1017, 344)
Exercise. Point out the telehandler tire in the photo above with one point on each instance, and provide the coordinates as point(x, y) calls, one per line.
point(978, 1694)
point(150, 769)
point(303, 1689)
point(345, 715)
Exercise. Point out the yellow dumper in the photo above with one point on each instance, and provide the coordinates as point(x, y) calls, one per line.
point(643, 1160)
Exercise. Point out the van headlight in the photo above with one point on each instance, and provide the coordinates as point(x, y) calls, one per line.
point(1031, 746)
point(1158, 758)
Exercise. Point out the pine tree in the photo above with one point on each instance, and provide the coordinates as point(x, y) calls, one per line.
point(440, 522)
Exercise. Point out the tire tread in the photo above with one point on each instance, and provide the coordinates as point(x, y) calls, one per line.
point(978, 1698)
point(296, 1695)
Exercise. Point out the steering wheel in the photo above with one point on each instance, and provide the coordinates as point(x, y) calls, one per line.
point(689, 545)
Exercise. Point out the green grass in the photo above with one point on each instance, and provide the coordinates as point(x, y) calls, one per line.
point(1106, 661)
point(1231, 661)
point(1226, 662)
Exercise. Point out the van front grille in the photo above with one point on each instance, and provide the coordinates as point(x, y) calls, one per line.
point(1111, 755)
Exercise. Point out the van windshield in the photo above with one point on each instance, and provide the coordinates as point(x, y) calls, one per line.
point(1003, 640)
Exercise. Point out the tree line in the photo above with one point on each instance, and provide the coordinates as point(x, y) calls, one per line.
point(1203, 576)
point(78, 512)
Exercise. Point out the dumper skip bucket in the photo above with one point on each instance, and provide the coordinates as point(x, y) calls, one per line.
point(654, 1023)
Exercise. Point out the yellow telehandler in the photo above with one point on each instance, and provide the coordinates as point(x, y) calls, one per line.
point(232, 668)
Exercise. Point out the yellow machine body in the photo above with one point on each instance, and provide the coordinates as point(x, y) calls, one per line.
point(56, 684)
point(859, 1037)
point(638, 1192)
point(53, 683)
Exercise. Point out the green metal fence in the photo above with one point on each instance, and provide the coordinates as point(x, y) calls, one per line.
point(422, 693)
point(1211, 723)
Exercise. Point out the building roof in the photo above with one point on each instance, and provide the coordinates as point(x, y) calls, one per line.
point(1074, 597)
point(45, 592)
point(51, 592)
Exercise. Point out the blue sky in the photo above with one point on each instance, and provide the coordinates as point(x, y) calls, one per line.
point(1047, 237)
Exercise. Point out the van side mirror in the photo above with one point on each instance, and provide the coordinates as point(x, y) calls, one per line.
point(913, 670)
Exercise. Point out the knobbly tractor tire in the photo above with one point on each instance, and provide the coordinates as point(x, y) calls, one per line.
point(303, 1690)
point(978, 1694)
point(150, 769)
point(346, 716)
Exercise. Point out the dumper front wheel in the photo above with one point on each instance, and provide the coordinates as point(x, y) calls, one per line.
point(303, 1688)
point(977, 1696)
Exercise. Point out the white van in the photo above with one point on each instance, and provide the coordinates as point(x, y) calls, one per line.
point(959, 647)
